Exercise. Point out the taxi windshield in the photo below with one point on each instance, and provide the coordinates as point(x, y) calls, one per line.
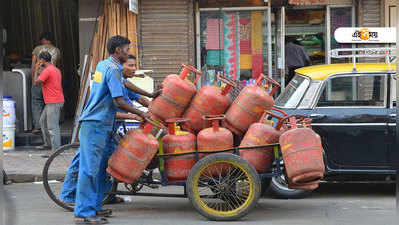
point(293, 93)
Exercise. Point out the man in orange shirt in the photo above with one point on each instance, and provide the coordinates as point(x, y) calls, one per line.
point(53, 96)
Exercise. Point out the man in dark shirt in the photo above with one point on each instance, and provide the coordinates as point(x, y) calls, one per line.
point(295, 57)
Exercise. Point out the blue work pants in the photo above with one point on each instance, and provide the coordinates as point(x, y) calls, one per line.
point(94, 151)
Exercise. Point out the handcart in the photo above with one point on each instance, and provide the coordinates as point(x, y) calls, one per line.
point(220, 186)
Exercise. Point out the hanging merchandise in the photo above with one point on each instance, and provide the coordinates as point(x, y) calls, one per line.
point(214, 34)
point(213, 57)
point(245, 35)
point(256, 44)
point(231, 45)
point(245, 61)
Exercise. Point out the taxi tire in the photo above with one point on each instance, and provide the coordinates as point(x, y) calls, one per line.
point(277, 190)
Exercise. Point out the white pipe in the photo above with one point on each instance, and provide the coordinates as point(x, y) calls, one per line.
point(24, 95)
point(269, 41)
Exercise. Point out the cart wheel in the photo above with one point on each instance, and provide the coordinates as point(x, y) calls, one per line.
point(227, 191)
point(54, 173)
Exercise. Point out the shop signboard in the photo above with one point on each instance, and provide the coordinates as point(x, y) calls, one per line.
point(365, 35)
point(308, 2)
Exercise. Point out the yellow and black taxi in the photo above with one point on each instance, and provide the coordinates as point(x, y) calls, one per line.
point(353, 109)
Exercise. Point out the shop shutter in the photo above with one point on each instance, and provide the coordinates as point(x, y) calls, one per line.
point(370, 16)
point(371, 13)
point(166, 36)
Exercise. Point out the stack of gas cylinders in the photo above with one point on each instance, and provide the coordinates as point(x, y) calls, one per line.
point(207, 121)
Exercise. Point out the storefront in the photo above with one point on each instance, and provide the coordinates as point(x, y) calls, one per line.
point(245, 38)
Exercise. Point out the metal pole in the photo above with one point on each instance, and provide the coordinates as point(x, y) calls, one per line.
point(328, 36)
point(397, 107)
point(269, 40)
point(234, 9)
point(198, 39)
point(282, 42)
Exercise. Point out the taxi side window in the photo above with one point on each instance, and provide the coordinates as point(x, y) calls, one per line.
point(352, 91)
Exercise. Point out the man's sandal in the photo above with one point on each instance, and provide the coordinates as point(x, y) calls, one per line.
point(72, 204)
point(104, 213)
point(90, 220)
point(115, 200)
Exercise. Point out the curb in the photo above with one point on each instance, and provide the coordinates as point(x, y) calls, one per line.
point(29, 178)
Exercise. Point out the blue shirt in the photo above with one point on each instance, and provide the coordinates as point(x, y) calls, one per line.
point(128, 96)
point(107, 84)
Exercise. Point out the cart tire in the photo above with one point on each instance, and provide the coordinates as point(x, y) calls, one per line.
point(71, 148)
point(239, 187)
point(51, 190)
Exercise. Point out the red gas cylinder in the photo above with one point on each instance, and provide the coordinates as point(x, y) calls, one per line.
point(312, 185)
point(176, 95)
point(210, 100)
point(261, 133)
point(249, 106)
point(302, 153)
point(177, 168)
point(214, 138)
point(133, 154)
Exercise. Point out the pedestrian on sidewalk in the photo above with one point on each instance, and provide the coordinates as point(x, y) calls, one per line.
point(46, 45)
point(51, 80)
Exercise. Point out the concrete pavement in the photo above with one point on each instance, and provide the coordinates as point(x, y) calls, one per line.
point(331, 204)
point(24, 164)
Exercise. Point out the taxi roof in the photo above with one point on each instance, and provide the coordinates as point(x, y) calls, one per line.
point(321, 72)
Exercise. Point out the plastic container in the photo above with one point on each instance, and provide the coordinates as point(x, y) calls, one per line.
point(8, 138)
point(8, 112)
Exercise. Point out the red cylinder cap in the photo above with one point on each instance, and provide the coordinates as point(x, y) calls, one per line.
point(186, 69)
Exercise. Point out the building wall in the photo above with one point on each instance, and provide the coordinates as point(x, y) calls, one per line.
point(87, 14)
point(166, 36)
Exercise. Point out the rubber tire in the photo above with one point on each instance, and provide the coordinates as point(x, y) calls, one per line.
point(265, 186)
point(277, 192)
point(227, 157)
point(45, 176)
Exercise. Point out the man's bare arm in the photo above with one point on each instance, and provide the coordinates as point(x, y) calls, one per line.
point(128, 116)
point(122, 104)
point(143, 101)
point(140, 91)
point(35, 79)
point(32, 67)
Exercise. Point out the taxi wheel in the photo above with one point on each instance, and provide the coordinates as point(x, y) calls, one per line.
point(223, 187)
point(279, 189)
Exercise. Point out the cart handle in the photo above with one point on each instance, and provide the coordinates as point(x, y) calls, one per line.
point(273, 83)
point(186, 69)
point(174, 121)
point(149, 125)
point(229, 84)
point(215, 120)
